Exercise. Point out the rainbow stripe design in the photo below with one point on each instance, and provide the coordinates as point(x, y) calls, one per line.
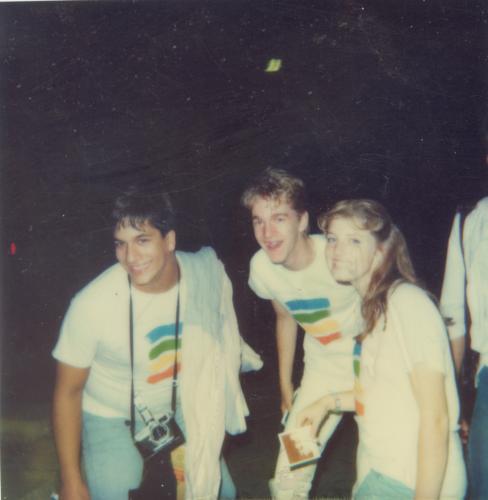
point(313, 316)
point(358, 390)
point(178, 463)
point(162, 352)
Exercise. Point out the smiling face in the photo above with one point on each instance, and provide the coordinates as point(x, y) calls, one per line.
point(147, 256)
point(352, 253)
point(280, 230)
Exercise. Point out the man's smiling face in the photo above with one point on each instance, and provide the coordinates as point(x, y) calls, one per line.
point(278, 229)
point(146, 255)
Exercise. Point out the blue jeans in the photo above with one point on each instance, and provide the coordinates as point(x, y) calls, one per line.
point(112, 463)
point(478, 441)
point(377, 486)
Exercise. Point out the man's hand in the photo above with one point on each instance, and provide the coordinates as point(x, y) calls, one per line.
point(75, 490)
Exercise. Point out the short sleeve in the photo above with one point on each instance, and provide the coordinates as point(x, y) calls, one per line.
point(256, 272)
point(76, 345)
point(420, 326)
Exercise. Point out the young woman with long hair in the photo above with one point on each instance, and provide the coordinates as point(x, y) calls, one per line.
point(405, 394)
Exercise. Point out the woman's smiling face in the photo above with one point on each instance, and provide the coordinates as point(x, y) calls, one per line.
point(352, 253)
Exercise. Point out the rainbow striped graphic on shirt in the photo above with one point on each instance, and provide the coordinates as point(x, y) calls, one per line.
point(358, 390)
point(313, 316)
point(162, 352)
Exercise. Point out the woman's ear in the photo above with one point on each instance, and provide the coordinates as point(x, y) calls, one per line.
point(379, 256)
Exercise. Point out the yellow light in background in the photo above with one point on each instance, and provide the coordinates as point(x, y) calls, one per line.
point(273, 66)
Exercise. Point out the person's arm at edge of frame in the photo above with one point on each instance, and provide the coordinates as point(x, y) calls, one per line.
point(67, 416)
point(429, 390)
point(286, 340)
point(458, 346)
point(453, 306)
point(453, 295)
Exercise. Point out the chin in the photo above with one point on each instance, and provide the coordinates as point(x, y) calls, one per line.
point(277, 260)
point(273, 257)
point(341, 277)
point(140, 280)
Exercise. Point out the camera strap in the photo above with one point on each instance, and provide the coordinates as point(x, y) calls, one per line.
point(131, 346)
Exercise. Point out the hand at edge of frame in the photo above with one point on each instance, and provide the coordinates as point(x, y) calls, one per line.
point(74, 490)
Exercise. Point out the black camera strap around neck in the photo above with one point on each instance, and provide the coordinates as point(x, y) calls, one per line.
point(131, 345)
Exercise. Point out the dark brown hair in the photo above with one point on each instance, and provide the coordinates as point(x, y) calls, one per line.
point(137, 205)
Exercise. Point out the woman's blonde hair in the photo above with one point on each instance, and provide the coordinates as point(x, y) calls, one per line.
point(396, 265)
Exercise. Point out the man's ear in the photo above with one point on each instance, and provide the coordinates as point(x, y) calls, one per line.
point(303, 222)
point(171, 240)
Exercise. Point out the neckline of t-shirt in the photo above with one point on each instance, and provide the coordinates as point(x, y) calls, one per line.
point(136, 293)
point(315, 238)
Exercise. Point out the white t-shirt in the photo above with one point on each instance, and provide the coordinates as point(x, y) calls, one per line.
point(388, 430)
point(95, 334)
point(328, 312)
point(466, 278)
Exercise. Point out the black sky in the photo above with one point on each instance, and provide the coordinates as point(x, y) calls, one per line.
point(376, 99)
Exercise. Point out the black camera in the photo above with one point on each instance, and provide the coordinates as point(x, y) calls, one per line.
point(155, 442)
point(163, 434)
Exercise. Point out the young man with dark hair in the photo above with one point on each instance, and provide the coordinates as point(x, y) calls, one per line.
point(176, 311)
point(290, 270)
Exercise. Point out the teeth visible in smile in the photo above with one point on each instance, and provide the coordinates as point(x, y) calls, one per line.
point(273, 245)
point(138, 268)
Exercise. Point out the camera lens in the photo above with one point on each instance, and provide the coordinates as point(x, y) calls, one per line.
point(158, 433)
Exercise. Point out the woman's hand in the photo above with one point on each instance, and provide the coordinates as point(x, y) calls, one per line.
point(315, 413)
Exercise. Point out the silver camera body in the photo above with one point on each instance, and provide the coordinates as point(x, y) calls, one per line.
point(162, 434)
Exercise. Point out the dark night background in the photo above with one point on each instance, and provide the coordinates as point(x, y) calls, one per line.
point(379, 99)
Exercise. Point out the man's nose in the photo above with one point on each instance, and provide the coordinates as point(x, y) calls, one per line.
point(130, 254)
point(267, 230)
